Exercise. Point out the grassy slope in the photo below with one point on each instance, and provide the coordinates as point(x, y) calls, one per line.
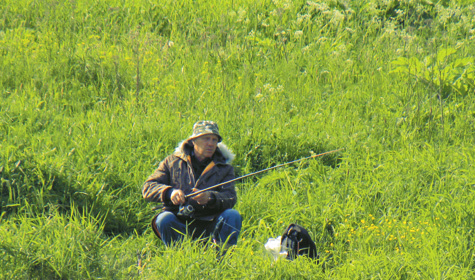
point(95, 94)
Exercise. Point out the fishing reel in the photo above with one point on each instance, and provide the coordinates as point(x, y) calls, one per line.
point(186, 211)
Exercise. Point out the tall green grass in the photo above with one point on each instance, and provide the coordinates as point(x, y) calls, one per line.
point(96, 93)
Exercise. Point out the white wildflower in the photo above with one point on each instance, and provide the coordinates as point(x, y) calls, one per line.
point(337, 17)
point(241, 15)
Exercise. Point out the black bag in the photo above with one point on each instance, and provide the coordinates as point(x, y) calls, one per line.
point(297, 242)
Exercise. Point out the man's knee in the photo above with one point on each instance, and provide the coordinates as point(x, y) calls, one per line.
point(231, 215)
point(165, 220)
point(169, 227)
point(232, 218)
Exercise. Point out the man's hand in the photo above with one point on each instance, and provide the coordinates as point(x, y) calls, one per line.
point(202, 198)
point(177, 197)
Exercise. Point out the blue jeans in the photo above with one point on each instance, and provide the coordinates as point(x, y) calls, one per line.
point(224, 228)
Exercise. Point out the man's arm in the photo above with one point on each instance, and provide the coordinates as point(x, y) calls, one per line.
point(157, 186)
point(224, 197)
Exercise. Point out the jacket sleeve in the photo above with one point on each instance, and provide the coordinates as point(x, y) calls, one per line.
point(225, 196)
point(156, 186)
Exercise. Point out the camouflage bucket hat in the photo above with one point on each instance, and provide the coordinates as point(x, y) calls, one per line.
point(205, 127)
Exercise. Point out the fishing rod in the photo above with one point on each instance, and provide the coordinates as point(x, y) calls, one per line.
point(260, 171)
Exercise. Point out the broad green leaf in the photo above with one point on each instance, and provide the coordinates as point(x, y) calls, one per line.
point(400, 61)
point(399, 69)
point(443, 53)
point(415, 65)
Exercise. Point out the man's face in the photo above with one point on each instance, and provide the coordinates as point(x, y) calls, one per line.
point(205, 146)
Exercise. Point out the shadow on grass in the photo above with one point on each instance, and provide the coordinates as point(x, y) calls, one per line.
point(263, 153)
point(31, 189)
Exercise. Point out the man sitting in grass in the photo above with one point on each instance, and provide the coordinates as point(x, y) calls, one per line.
point(199, 162)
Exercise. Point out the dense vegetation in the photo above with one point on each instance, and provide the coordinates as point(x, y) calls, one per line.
point(95, 94)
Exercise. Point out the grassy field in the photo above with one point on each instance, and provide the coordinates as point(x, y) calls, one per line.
point(94, 94)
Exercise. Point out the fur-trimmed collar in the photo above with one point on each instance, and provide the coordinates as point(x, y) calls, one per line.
point(184, 148)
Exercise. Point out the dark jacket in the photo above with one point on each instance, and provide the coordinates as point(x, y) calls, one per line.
point(176, 171)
